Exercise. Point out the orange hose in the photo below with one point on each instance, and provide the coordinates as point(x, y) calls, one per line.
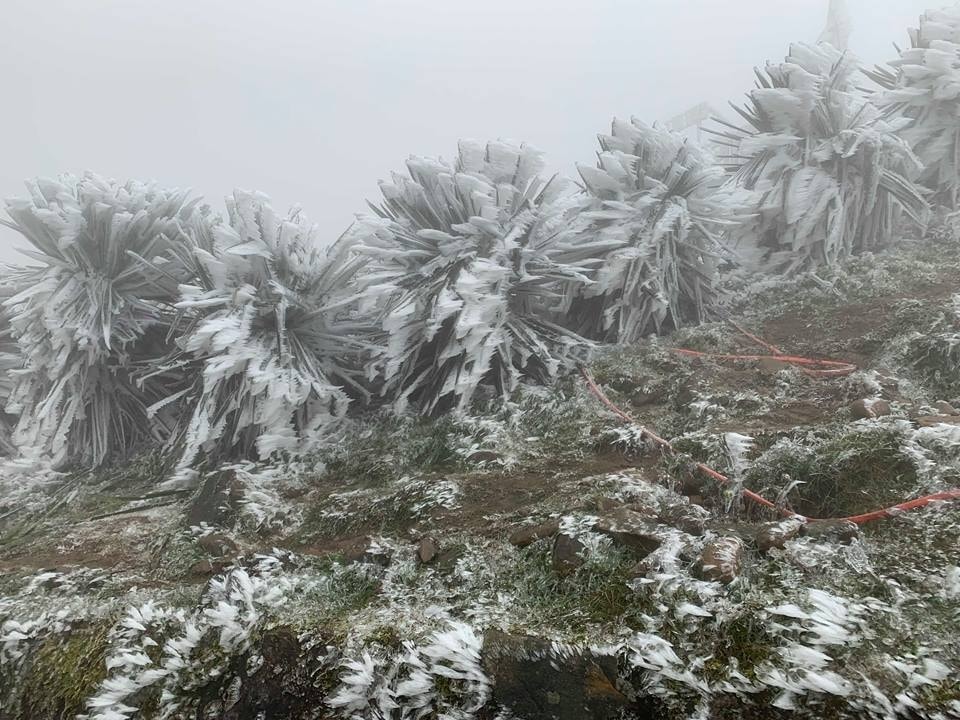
point(754, 497)
point(811, 366)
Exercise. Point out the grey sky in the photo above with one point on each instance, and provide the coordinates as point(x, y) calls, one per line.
point(311, 101)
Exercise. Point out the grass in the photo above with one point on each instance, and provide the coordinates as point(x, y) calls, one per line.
point(847, 474)
point(595, 593)
point(63, 672)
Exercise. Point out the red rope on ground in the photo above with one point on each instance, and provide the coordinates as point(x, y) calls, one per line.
point(811, 366)
point(754, 497)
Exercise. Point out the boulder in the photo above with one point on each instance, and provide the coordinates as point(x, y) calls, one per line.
point(529, 535)
point(945, 408)
point(535, 680)
point(427, 550)
point(218, 545)
point(775, 534)
point(365, 551)
point(721, 560)
point(567, 554)
point(685, 516)
point(840, 530)
point(630, 529)
point(869, 408)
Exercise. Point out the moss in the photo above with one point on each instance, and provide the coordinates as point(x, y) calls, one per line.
point(62, 672)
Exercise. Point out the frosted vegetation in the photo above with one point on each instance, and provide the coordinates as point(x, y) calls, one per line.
point(361, 386)
point(153, 321)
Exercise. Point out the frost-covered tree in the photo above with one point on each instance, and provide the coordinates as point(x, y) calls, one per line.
point(923, 86)
point(92, 316)
point(468, 263)
point(9, 363)
point(833, 176)
point(653, 211)
point(263, 334)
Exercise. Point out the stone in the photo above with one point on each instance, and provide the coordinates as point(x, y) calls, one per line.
point(529, 535)
point(218, 545)
point(364, 551)
point(205, 568)
point(933, 420)
point(945, 408)
point(869, 408)
point(688, 517)
point(567, 554)
point(841, 530)
point(607, 505)
point(211, 504)
point(630, 529)
point(776, 534)
point(427, 550)
point(484, 456)
point(721, 560)
point(534, 681)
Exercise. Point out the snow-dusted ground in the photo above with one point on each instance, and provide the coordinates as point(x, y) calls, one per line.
point(311, 582)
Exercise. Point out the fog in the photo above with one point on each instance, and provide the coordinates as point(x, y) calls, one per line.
point(312, 101)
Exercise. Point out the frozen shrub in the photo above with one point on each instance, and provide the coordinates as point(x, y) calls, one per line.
point(833, 176)
point(923, 86)
point(653, 211)
point(93, 314)
point(264, 337)
point(467, 273)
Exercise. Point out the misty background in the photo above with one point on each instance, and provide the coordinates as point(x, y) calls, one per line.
point(313, 101)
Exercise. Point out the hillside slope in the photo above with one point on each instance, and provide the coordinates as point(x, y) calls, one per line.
point(542, 559)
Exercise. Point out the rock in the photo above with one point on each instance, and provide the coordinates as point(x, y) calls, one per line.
point(427, 550)
point(932, 420)
point(529, 535)
point(534, 682)
point(775, 534)
point(721, 560)
point(364, 551)
point(685, 516)
point(211, 503)
point(285, 682)
point(945, 408)
point(869, 408)
point(842, 530)
point(484, 456)
point(567, 554)
point(218, 545)
point(205, 568)
point(630, 529)
point(607, 505)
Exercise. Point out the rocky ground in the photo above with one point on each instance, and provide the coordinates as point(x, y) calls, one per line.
point(543, 560)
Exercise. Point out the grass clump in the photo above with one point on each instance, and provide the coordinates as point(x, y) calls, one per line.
point(598, 592)
point(846, 474)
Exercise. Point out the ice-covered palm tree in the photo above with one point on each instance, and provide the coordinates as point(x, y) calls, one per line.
point(92, 315)
point(923, 86)
point(834, 177)
point(653, 211)
point(9, 362)
point(467, 269)
point(265, 334)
